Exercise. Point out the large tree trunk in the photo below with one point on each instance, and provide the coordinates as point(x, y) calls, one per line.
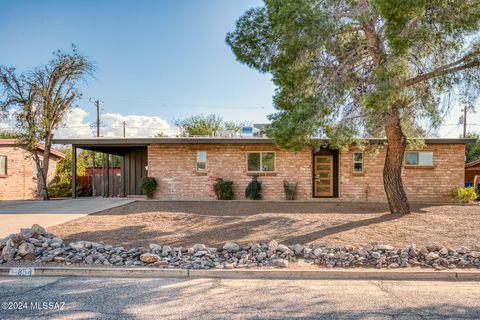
point(392, 171)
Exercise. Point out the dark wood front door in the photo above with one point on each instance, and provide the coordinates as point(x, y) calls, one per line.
point(323, 176)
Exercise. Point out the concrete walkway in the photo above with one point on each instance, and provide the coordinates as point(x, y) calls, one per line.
point(23, 213)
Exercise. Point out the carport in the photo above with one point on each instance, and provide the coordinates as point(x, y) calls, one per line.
point(133, 164)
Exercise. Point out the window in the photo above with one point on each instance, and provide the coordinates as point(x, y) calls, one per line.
point(260, 161)
point(201, 161)
point(416, 158)
point(3, 165)
point(358, 162)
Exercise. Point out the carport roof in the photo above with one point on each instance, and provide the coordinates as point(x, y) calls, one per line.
point(143, 142)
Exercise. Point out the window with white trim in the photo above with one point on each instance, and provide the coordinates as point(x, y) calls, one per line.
point(3, 165)
point(201, 161)
point(419, 158)
point(261, 161)
point(358, 162)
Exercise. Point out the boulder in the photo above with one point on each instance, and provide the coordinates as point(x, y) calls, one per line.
point(273, 245)
point(432, 256)
point(166, 250)
point(25, 248)
point(384, 247)
point(199, 247)
point(231, 247)
point(155, 247)
point(150, 258)
point(298, 249)
point(283, 248)
point(8, 253)
point(280, 263)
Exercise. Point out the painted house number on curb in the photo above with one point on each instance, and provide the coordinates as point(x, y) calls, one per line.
point(26, 272)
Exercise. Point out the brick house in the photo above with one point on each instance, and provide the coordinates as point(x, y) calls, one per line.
point(186, 168)
point(18, 172)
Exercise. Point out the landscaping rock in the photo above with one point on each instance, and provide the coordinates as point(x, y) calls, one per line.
point(231, 247)
point(155, 247)
point(8, 253)
point(199, 247)
point(281, 263)
point(149, 258)
point(25, 248)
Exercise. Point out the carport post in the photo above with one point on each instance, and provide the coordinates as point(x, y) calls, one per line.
point(74, 171)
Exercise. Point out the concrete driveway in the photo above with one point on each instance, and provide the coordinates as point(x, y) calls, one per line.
point(23, 213)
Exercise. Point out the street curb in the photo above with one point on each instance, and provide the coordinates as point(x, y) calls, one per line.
point(244, 274)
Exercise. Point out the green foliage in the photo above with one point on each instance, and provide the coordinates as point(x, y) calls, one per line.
point(223, 189)
point(472, 150)
point(465, 194)
point(339, 66)
point(148, 186)
point(234, 126)
point(64, 190)
point(254, 189)
point(290, 189)
point(5, 134)
point(64, 166)
point(200, 125)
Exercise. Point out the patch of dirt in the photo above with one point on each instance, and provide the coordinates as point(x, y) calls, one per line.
point(216, 222)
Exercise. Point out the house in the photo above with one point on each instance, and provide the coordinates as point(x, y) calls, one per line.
point(472, 169)
point(186, 168)
point(18, 172)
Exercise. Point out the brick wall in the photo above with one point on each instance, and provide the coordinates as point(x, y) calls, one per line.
point(174, 167)
point(20, 182)
point(421, 184)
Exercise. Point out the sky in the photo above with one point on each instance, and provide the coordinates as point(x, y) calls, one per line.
point(156, 61)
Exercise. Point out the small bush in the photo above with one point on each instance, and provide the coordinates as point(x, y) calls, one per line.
point(465, 194)
point(64, 190)
point(290, 189)
point(148, 186)
point(254, 189)
point(60, 190)
point(223, 189)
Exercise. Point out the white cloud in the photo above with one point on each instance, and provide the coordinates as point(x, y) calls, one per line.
point(76, 125)
point(135, 126)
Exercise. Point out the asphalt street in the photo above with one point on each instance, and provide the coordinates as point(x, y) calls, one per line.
point(142, 298)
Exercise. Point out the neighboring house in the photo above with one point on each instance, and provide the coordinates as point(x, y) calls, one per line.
point(186, 168)
point(472, 169)
point(18, 172)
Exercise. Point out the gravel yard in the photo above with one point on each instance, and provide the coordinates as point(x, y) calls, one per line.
point(216, 222)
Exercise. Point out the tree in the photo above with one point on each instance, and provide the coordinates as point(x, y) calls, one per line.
point(43, 96)
point(7, 134)
point(200, 125)
point(64, 166)
point(234, 126)
point(362, 68)
point(472, 151)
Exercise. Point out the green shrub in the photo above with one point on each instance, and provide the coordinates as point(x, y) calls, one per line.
point(254, 189)
point(465, 194)
point(60, 190)
point(64, 190)
point(223, 189)
point(290, 189)
point(148, 186)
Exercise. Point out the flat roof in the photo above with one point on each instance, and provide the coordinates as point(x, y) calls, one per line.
point(141, 142)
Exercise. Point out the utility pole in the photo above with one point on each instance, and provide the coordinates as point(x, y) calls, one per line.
point(465, 112)
point(124, 124)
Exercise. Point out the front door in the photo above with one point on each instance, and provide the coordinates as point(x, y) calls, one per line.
point(323, 176)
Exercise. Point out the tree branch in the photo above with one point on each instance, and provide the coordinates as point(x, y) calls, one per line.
point(442, 71)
